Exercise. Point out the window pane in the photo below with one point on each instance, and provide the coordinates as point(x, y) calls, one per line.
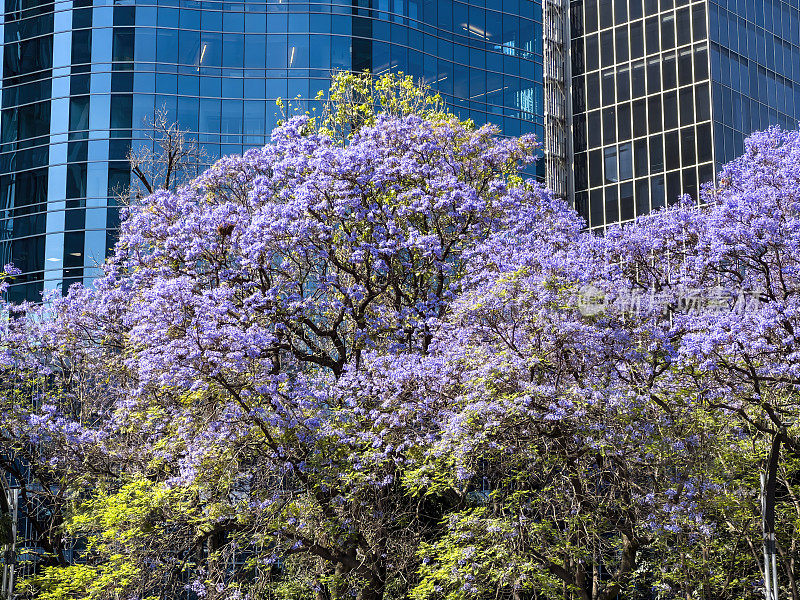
point(642, 197)
point(688, 153)
point(640, 157)
point(669, 72)
point(656, 154)
point(671, 110)
point(685, 66)
point(594, 129)
point(625, 162)
point(654, 75)
point(622, 43)
point(626, 201)
point(668, 31)
point(704, 147)
point(658, 193)
point(637, 40)
point(687, 106)
point(610, 164)
point(654, 113)
point(609, 126)
point(595, 168)
point(612, 207)
point(623, 83)
point(624, 122)
point(608, 87)
point(672, 150)
point(639, 118)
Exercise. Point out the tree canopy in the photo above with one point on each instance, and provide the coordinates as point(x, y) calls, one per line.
point(372, 360)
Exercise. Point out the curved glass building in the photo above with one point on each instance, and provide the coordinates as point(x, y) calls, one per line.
point(81, 76)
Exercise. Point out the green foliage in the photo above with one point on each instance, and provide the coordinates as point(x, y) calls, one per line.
point(123, 530)
point(355, 100)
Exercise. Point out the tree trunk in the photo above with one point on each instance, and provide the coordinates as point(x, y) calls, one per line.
point(374, 588)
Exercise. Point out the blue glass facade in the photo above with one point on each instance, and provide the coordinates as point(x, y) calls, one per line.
point(80, 77)
point(755, 69)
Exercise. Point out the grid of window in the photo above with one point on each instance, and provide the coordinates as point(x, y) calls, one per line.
point(642, 131)
point(755, 67)
point(24, 135)
point(484, 61)
point(218, 68)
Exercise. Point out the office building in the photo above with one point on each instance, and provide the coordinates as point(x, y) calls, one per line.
point(665, 91)
point(79, 77)
point(636, 101)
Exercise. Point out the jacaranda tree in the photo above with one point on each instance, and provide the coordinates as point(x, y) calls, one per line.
point(370, 360)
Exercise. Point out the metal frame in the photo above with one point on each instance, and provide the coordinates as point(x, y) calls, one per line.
point(9, 558)
point(555, 104)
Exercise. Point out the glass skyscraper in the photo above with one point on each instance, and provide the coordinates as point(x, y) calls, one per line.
point(664, 92)
point(638, 101)
point(80, 77)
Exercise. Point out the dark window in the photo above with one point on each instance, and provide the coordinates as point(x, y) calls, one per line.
point(668, 31)
point(578, 95)
point(658, 193)
point(690, 182)
point(671, 110)
point(685, 66)
point(592, 53)
point(581, 172)
point(654, 75)
point(609, 125)
point(669, 72)
point(593, 91)
point(699, 22)
point(642, 197)
point(579, 133)
point(704, 147)
point(672, 150)
point(620, 12)
point(636, 9)
point(594, 129)
point(622, 44)
point(654, 113)
point(656, 154)
point(673, 187)
point(123, 44)
point(651, 35)
point(607, 48)
point(701, 63)
point(683, 26)
point(623, 83)
point(596, 208)
point(705, 174)
point(638, 79)
point(624, 122)
point(595, 168)
point(640, 157)
point(639, 118)
point(626, 200)
point(637, 40)
point(687, 106)
point(625, 162)
point(606, 13)
point(612, 206)
point(608, 87)
point(610, 164)
point(79, 113)
point(688, 152)
point(591, 15)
